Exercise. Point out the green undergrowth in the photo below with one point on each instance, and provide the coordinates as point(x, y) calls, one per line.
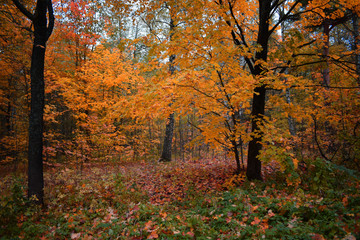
point(116, 207)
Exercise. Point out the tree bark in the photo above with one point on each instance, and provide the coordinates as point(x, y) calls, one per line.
point(356, 46)
point(237, 157)
point(258, 107)
point(169, 131)
point(42, 32)
point(326, 49)
point(166, 152)
point(253, 170)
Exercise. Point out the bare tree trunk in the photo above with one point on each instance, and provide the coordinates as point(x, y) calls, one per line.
point(42, 32)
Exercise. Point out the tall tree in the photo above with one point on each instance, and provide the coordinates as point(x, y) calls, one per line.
point(169, 131)
point(43, 22)
point(257, 67)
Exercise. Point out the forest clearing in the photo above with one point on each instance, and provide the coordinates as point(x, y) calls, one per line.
point(167, 119)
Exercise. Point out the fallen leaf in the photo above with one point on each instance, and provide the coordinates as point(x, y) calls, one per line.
point(256, 221)
point(153, 235)
point(75, 235)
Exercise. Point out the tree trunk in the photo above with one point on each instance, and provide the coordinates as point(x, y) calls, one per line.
point(356, 45)
point(35, 169)
point(258, 107)
point(166, 153)
point(237, 157)
point(326, 70)
point(42, 32)
point(253, 170)
point(169, 131)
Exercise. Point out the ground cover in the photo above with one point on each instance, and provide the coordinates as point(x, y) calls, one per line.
point(177, 200)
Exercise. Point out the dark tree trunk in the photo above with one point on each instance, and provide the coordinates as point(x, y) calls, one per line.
point(42, 31)
point(266, 10)
point(35, 169)
point(169, 132)
point(237, 157)
point(356, 45)
point(326, 70)
point(258, 106)
point(253, 170)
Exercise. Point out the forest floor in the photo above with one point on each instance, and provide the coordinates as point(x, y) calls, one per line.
point(177, 200)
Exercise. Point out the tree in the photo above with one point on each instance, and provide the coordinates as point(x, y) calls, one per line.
point(169, 130)
point(257, 66)
point(43, 22)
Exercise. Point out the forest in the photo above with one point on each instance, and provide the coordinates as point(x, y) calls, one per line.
point(168, 119)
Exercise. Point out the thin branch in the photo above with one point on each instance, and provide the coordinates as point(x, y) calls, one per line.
point(276, 4)
point(316, 140)
point(150, 28)
point(22, 9)
point(51, 20)
point(284, 17)
point(228, 98)
point(206, 94)
point(242, 36)
point(249, 61)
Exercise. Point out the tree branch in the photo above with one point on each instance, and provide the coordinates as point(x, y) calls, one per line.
point(22, 9)
point(51, 20)
point(316, 140)
point(284, 17)
point(206, 94)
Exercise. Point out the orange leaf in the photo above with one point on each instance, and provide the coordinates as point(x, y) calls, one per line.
point(256, 221)
point(148, 225)
point(153, 235)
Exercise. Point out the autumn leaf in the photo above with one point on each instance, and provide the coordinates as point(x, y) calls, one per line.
point(148, 225)
point(153, 235)
point(75, 235)
point(256, 221)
